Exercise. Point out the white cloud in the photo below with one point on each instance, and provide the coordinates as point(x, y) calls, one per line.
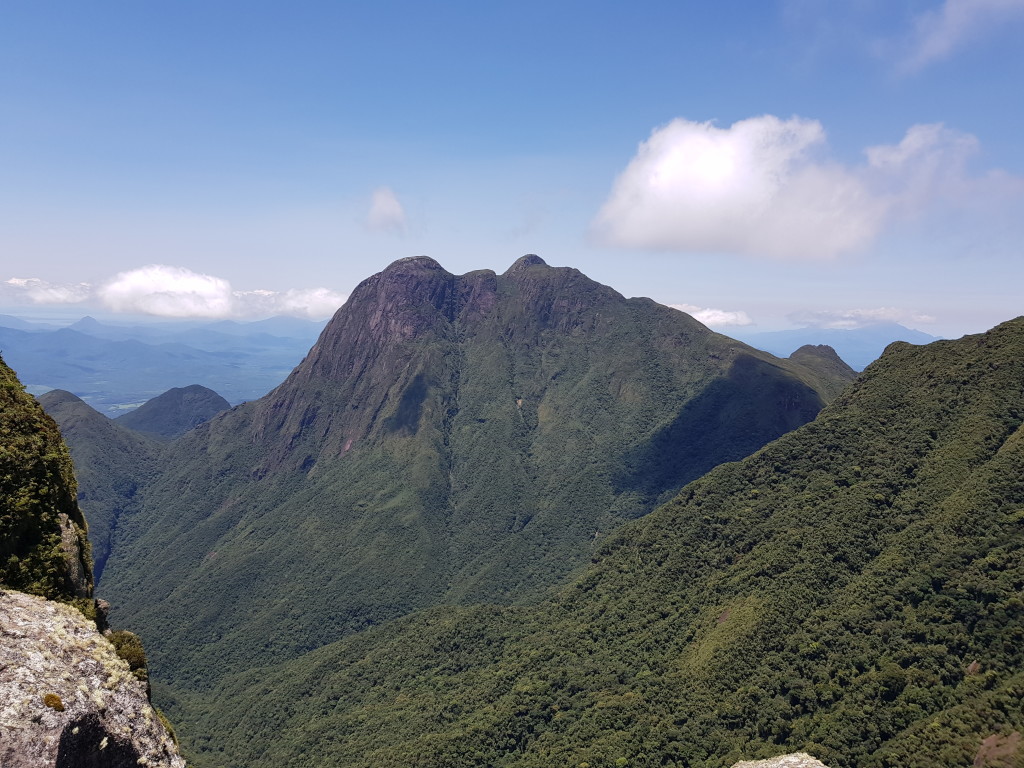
point(755, 188)
point(36, 291)
point(762, 187)
point(939, 33)
point(178, 292)
point(169, 292)
point(715, 317)
point(313, 303)
point(930, 162)
point(858, 318)
point(386, 213)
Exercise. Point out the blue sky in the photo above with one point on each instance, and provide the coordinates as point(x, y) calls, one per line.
point(775, 164)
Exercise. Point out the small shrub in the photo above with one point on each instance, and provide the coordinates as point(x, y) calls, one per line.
point(129, 647)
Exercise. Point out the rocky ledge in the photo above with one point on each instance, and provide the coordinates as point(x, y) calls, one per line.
point(67, 700)
point(794, 760)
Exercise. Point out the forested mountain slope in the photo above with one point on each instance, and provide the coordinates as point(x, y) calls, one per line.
point(112, 463)
point(449, 439)
point(854, 589)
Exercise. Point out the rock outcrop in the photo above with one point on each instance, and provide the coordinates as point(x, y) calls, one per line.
point(795, 760)
point(67, 700)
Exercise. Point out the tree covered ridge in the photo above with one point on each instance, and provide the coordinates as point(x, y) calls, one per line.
point(852, 590)
point(44, 549)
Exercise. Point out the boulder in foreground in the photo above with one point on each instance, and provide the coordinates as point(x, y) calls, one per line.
point(67, 699)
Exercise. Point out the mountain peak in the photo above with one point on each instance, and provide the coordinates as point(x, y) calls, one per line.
point(58, 396)
point(824, 351)
point(86, 323)
point(413, 263)
point(525, 262)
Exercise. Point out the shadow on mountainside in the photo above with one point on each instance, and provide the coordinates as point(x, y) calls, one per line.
point(734, 416)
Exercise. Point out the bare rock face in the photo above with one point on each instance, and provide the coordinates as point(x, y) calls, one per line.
point(795, 760)
point(66, 699)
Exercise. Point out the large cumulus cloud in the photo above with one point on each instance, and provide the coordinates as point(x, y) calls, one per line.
point(168, 292)
point(767, 187)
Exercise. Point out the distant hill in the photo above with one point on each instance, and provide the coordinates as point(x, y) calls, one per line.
point(852, 590)
point(175, 412)
point(448, 439)
point(858, 347)
point(7, 321)
point(827, 370)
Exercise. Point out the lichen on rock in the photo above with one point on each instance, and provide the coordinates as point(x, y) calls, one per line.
point(67, 700)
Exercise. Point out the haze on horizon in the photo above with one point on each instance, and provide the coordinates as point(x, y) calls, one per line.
point(758, 165)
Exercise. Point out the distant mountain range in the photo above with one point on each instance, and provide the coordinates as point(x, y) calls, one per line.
point(859, 347)
point(116, 368)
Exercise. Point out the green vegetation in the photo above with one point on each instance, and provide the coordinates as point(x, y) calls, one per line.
point(43, 545)
point(129, 647)
point(854, 589)
point(449, 440)
point(112, 463)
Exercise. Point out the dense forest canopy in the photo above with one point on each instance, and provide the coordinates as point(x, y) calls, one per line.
point(853, 589)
